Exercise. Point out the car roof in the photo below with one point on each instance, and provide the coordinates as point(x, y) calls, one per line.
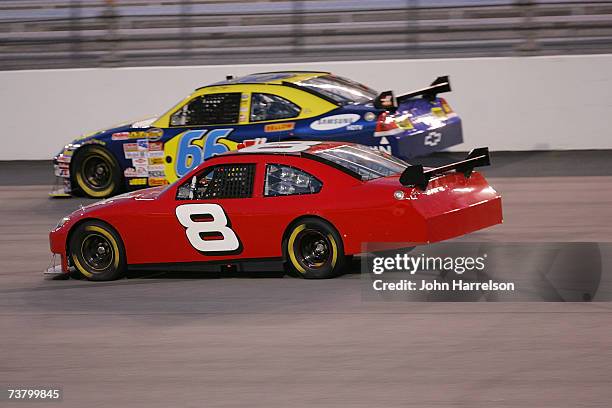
point(272, 78)
point(287, 148)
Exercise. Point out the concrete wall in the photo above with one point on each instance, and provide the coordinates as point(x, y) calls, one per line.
point(528, 103)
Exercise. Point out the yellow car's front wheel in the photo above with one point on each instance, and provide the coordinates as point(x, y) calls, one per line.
point(95, 172)
point(313, 250)
point(96, 251)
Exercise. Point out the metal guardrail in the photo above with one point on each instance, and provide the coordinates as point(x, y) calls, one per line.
point(87, 33)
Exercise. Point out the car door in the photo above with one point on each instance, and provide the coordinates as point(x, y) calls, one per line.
point(203, 127)
point(213, 216)
point(271, 117)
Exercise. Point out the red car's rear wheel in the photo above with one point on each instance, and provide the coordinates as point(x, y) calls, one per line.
point(313, 250)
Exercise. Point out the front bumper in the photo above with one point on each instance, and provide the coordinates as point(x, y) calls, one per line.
point(55, 269)
point(62, 186)
point(61, 189)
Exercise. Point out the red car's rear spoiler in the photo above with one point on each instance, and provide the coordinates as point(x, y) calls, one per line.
point(386, 100)
point(415, 176)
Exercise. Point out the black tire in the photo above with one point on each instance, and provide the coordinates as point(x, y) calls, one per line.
point(96, 251)
point(313, 249)
point(95, 172)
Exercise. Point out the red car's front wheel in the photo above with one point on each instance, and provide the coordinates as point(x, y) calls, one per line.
point(96, 251)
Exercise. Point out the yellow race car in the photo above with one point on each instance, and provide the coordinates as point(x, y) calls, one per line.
point(257, 108)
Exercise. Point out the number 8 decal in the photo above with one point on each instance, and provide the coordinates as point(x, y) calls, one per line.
point(217, 225)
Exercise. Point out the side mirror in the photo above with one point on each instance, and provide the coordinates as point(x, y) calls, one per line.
point(386, 100)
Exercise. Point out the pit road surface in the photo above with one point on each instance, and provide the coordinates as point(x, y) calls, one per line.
point(245, 340)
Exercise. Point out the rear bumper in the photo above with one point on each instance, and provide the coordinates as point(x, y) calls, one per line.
point(464, 221)
point(452, 206)
point(427, 142)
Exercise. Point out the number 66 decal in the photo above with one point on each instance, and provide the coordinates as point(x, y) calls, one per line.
point(216, 224)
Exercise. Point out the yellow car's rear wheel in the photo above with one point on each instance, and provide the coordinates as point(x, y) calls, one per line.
point(96, 251)
point(95, 172)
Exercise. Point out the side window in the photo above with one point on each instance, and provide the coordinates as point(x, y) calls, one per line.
point(285, 180)
point(271, 107)
point(213, 109)
point(223, 181)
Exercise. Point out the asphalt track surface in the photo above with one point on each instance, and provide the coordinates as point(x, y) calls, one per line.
point(268, 340)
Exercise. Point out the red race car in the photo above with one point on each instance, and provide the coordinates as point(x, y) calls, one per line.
point(308, 204)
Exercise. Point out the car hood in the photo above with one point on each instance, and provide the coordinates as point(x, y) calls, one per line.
point(151, 193)
point(141, 125)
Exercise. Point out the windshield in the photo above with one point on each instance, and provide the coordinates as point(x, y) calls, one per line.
point(340, 90)
point(367, 163)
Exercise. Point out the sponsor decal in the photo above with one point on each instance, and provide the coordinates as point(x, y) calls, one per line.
point(432, 139)
point(279, 127)
point(157, 174)
point(157, 167)
point(62, 171)
point(130, 147)
point(151, 134)
point(120, 136)
point(142, 144)
point(335, 121)
point(153, 161)
point(354, 127)
point(138, 181)
point(134, 155)
point(140, 161)
point(95, 141)
point(154, 133)
point(130, 151)
point(405, 123)
point(369, 116)
point(438, 112)
point(156, 146)
point(251, 142)
point(157, 181)
point(130, 172)
point(386, 149)
point(155, 154)
point(142, 171)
